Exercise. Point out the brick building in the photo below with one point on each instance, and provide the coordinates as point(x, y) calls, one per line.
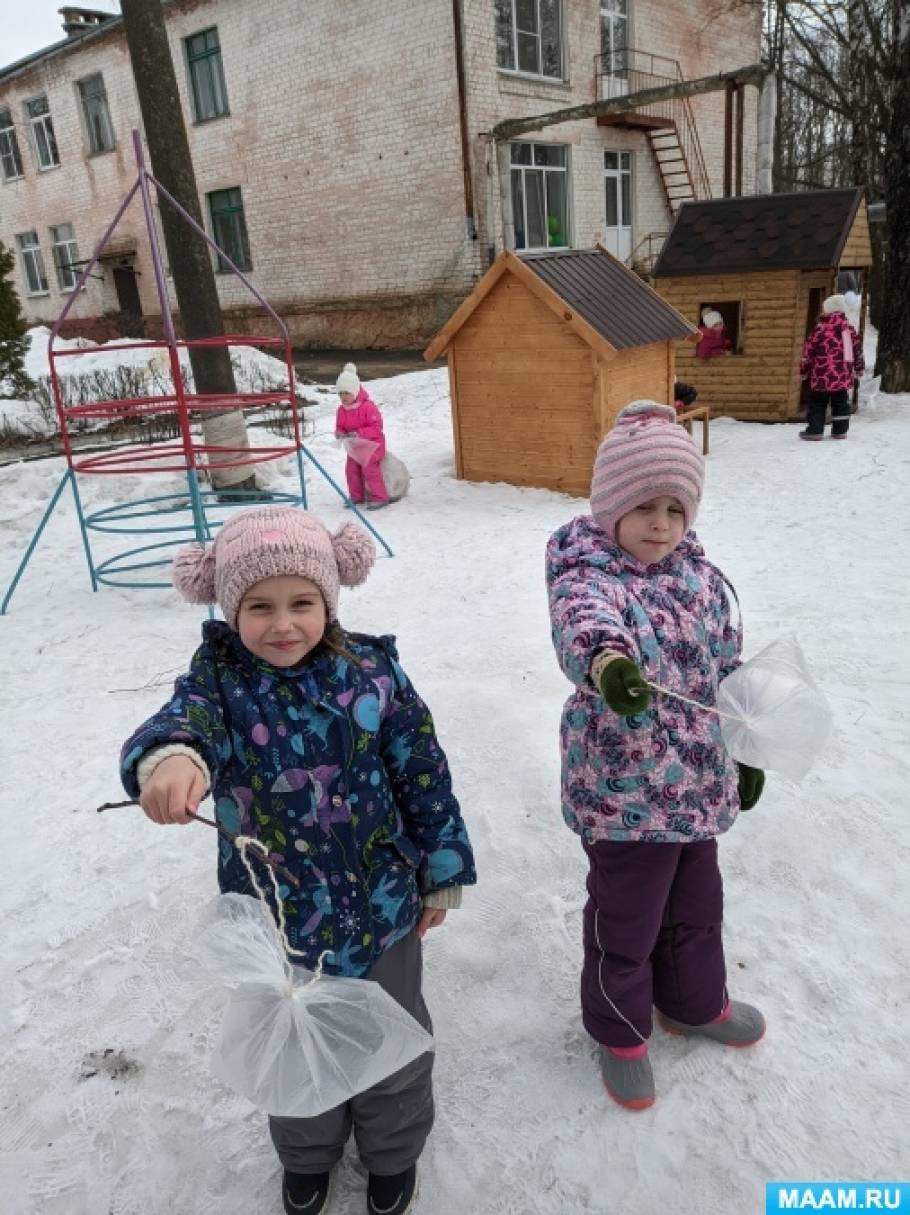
point(343, 151)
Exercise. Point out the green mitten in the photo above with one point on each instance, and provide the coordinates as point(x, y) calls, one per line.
point(623, 687)
point(751, 783)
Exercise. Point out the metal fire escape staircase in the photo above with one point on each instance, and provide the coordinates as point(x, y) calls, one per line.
point(669, 126)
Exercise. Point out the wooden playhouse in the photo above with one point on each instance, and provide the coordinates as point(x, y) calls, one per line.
point(543, 354)
point(765, 263)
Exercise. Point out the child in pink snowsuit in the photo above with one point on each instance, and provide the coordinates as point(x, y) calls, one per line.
point(646, 779)
point(358, 416)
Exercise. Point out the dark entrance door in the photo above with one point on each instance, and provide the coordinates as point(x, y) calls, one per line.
point(813, 312)
point(128, 301)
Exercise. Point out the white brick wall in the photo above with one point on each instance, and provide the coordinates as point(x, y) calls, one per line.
point(343, 135)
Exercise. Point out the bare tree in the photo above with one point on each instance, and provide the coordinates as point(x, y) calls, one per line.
point(893, 360)
point(188, 254)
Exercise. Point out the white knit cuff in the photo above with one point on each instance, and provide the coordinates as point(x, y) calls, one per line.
point(157, 755)
point(599, 664)
point(446, 899)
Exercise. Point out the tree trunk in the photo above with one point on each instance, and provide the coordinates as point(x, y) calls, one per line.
point(188, 255)
point(893, 360)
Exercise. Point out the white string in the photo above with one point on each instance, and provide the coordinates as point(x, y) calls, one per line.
point(243, 843)
point(741, 717)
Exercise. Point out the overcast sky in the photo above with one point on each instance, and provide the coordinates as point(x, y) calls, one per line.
point(29, 25)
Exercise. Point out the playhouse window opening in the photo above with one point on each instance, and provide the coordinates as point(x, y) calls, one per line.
point(734, 320)
point(540, 195)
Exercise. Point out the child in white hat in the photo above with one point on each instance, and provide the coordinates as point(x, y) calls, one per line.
point(358, 417)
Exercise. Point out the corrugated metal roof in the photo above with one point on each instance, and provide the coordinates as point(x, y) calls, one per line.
point(759, 232)
point(614, 301)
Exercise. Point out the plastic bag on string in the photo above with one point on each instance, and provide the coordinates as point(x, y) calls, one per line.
point(869, 389)
point(395, 476)
point(359, 449)
point(773, 714)
point(297, 1044)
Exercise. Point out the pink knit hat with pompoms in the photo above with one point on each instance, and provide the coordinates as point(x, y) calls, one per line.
point(272, 542)
point(647, 454)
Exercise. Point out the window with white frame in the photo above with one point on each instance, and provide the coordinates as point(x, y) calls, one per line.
point(229, 228)
point(203, 57)
point(43, 139)
point(65, 254)
point(614, 28)
point(529, 37)
point(95, 113)
point(10, 159)
point(32, 263)
point(540, 195)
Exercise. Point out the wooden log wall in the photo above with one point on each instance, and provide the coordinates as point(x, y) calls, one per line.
point(857, 252)
point(758, 384)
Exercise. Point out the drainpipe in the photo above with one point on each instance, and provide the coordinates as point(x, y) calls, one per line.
point(463, 121)
point(767, 116)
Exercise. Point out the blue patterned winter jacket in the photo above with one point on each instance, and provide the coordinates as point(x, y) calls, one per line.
point(336, 768)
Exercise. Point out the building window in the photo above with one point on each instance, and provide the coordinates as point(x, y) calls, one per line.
point(229, 228)
point(529, 37)
point(65, 254)
point(203, 56)
point(618, 203)
point(10, 160)
point(32, 263)
point(540, 195)
point(614, 28)
point(39, 115)
point(96, 115)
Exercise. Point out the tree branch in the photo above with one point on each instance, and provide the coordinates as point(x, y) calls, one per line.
point(259, 849)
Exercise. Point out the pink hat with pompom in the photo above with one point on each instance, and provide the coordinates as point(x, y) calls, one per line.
point(647, 454)
point(272, 542)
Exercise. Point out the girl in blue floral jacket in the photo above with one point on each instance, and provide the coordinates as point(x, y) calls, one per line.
point(314, 741)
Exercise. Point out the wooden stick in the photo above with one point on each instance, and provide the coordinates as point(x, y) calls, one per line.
point(225, 834)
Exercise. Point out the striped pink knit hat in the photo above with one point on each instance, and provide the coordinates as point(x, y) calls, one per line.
point(645, 455)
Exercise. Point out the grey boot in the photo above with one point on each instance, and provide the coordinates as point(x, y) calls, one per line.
point(743, 1027)
point(630, 1082)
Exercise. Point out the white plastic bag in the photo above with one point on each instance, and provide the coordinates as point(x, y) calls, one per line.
point(395, 476)
point(772, 713)
point(359, 449)
point(297, 1046)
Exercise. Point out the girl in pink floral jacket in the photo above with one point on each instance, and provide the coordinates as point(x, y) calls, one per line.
point(832, 360)
point(647, 782)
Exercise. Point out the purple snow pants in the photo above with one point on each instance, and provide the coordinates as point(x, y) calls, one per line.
point(652, 937)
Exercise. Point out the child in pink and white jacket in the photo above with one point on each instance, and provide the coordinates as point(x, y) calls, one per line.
point(646, 779)
point(832, 361)
point(359, 417)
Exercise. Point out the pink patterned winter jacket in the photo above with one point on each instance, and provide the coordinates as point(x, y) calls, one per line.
point(824, 363)
point(663, 775)
point(364, 418)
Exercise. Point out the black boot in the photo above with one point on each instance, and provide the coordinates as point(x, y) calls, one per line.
point(391, 1195)
point(305, 1193)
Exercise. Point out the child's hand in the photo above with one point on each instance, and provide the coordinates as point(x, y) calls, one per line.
point(176, 786)
point(432, 917)
point(623, 687)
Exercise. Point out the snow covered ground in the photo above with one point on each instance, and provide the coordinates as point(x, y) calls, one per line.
point(107, 1105)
